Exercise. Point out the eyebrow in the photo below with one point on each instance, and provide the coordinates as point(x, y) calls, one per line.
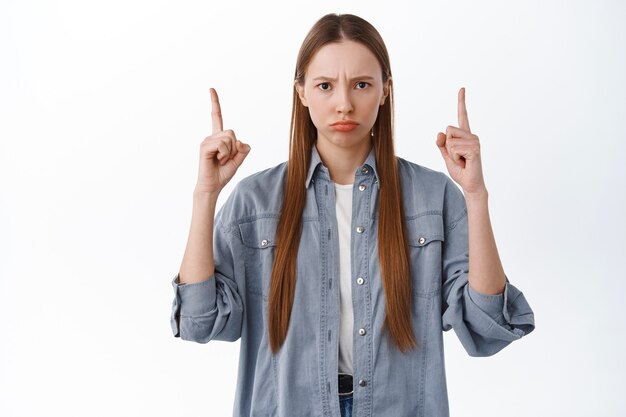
point(362, 77)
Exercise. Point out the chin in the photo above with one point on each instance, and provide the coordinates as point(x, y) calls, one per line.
point(345, 139)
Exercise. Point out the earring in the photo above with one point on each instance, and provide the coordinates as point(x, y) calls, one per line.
point(372, 133)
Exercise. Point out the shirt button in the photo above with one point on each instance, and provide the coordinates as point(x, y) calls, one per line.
point(359, 281)
point(264, 242)
point(365, 170)
point(362, 187)
point(362, 332)
point(360, 229)
point(422, 240)
point(362, 382)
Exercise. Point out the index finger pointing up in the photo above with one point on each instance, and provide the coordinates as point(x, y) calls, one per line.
point(216, 112)
point(462, 112)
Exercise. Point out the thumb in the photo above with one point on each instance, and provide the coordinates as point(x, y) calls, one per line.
point(441, 144)
point(242, 151)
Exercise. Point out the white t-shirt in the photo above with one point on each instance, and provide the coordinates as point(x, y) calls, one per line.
point(343, 208)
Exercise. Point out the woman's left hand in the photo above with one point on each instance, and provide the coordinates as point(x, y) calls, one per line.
point(460, 149)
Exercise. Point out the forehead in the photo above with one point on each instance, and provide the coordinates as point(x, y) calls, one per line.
point(345, 58)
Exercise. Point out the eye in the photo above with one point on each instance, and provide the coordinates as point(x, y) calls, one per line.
point(327, 84)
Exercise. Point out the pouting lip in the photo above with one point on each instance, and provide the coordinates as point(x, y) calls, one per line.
point(344, 122)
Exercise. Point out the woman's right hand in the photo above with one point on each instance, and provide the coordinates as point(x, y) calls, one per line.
point(220, 154)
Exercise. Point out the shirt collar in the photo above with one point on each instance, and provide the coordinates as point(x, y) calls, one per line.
point(316, 160)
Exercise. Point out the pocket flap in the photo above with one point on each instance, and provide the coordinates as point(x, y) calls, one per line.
point(259, 233)
point(424, 229)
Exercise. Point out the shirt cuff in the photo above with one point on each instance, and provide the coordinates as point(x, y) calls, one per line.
point(191, 300)
point(491, 304)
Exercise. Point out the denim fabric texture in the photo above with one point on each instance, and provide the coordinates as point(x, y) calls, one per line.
point(302, 378)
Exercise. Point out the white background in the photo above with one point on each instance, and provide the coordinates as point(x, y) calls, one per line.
point(104, 105)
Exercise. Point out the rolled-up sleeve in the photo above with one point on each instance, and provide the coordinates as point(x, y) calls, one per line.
point(210, 309)
point(484, 323)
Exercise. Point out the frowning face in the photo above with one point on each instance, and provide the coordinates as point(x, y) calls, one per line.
point(343, 81)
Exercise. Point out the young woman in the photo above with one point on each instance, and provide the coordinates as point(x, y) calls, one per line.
point(340, 268)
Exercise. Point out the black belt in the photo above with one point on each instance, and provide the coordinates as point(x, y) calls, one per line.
point(345, 384)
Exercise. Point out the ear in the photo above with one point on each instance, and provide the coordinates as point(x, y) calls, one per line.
point(386, 88)
point(300, 92)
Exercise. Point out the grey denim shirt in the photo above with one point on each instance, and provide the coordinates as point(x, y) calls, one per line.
point(301, 380)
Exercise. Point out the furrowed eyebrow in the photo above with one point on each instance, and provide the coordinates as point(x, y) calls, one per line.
point(362, 77)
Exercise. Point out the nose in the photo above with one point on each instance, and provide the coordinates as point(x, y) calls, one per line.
point(344, 100)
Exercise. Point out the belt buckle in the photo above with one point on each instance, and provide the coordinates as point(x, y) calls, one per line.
point(345, 380)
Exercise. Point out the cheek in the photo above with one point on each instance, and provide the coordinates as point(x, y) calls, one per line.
point(314, 116)
point(318, 111)
point(373, 108)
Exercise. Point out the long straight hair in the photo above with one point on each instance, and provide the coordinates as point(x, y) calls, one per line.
point(392, 243)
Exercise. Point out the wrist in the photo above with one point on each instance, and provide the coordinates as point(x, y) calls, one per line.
point(481, 194)
point(477, 200)
point(204, 196)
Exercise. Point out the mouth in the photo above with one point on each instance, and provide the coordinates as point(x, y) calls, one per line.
point(344, 127)
point(345, 122)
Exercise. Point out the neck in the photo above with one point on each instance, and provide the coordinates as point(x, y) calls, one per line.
point(343, 162)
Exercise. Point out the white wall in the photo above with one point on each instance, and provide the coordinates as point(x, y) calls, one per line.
point(103, 107)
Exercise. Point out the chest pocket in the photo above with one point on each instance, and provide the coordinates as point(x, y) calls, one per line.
point(259, 238)
point(425, 235)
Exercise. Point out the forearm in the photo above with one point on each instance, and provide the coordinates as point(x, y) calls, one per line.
point(486, 274)
point(198, 263)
